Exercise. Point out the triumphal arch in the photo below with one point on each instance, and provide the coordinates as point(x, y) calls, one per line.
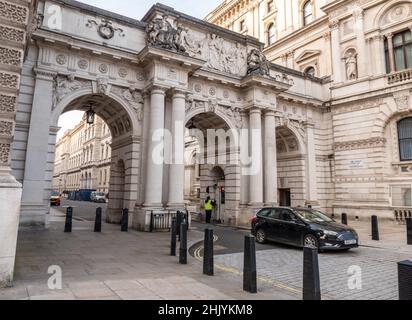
point(160, 84)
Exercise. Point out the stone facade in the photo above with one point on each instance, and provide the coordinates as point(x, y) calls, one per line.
point(15, 28)
point(355, 49)
point(83, 158)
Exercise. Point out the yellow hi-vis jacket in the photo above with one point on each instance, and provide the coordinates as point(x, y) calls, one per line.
point(208, 205)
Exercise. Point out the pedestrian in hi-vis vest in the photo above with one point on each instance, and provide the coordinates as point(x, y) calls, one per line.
point(208, 209)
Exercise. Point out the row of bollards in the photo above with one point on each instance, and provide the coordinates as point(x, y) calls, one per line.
point(179, 229)
point(375, 227)
point(68, 226)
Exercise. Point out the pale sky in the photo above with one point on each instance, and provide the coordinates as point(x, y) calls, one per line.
point(137, 9)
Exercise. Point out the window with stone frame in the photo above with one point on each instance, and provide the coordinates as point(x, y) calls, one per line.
point(310, 71)
point(271, 34)
point(402, 51)
point(242, 25)
point(307, 13)
point(405, 139)
point(401, 195)
point(270, 6)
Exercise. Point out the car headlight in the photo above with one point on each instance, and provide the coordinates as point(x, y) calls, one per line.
point(330, 233)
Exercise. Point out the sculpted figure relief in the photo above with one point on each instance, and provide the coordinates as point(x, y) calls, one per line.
point(257, 63)
point(351, 65)
point(65, 85)
point(162, 34)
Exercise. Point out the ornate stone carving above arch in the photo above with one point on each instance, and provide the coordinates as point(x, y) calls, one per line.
point(393, 12)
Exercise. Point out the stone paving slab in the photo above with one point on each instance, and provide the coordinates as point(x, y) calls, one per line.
point(114, 265)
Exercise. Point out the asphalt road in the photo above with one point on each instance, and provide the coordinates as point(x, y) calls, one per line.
point(230, 240)
point(83, 210)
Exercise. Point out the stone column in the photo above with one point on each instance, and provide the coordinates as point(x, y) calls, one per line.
point(154, 160)
point(311, 168)
point(361, 44)
point(244, 178)
point(379, 53)
point(391, 51)
point(177, 167)
point(270, 162)
point(256, 174)
point(15, 18)
point(336, 55)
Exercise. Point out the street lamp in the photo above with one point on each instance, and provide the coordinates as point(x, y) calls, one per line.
point(90, 116)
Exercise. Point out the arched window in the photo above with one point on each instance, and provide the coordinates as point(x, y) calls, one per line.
point(405, 139)
point(271, 34)
point(310, 71)
point(307, 13)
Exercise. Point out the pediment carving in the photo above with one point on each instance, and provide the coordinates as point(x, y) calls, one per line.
point(307, 54)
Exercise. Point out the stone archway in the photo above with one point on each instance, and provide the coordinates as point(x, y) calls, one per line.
point(123, 122)
point(291, 166)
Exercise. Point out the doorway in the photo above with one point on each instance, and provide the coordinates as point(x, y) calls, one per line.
point(285, 198)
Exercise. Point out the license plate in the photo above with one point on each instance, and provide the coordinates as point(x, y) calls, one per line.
point(350, 242)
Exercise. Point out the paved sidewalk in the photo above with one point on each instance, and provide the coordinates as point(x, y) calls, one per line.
point(115, 265)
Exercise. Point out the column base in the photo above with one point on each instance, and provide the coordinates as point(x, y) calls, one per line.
point(10, 199)
point(271, 204)
point(256, 205)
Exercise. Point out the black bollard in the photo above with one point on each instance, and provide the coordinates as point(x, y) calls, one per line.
point(311, 280)
point(344, 218)
point(125, 220)
point(409, 230)
point(249, 265)
point(173, 240)
point(178, 223)
point(375, 228)
point(183, 244)
point(405, 280)
point(98, 221)
point(208, 259)
point(69, 220)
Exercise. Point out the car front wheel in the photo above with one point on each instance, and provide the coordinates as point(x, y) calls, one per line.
point(261, 236)
point(310, 241)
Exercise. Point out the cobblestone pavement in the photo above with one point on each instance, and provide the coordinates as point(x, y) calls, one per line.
point(283, 267)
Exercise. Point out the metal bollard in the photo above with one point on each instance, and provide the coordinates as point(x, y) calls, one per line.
point(208, 254)
point(344, 219)
point(69, 220)
point(183, 244)
point(178, 223)
point(375, 228)
point(409, 230)
point(311, 279)
point(405, 280)
point(173, 240)
point(98, 221)
point(249, 265)
point(125, 221)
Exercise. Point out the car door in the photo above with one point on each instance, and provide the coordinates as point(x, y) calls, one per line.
point(291, 228)
point(274, 225)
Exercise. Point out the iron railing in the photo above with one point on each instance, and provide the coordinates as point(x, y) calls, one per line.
point(162, 220)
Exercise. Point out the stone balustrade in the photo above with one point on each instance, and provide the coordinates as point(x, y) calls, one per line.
point(402, 213)
point(400, 76)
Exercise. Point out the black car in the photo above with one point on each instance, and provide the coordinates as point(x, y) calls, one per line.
point(302, 227)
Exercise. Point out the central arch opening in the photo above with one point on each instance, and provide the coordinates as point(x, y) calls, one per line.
point(209, 150)
point(92, 158)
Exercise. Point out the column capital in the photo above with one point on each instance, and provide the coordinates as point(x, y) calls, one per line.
point(44, 74)
point(269, 113)
point(334, 24)
point(389, 35)
point(255, 110)
point(156, 89)
point(178, 93)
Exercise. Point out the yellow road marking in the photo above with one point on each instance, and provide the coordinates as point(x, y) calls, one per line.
point(235, 271)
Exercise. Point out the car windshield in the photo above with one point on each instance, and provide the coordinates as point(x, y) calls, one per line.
point(55, 194)
point(313, 216)
point(100, 194)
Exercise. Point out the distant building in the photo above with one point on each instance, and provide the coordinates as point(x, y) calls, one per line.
point(83, 157)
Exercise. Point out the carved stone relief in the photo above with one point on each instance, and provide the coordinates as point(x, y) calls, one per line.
point(105, 28)
point(133, 97)
point(10, 57)
point(402, 101)
point(6, 127)
point(11, 34)
point(257, 63)
point(10, 81)
point(63, 85)
point(13, 12)
point(7, 103)
point(162, 34)
point(397, 13)
point(4, 152)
